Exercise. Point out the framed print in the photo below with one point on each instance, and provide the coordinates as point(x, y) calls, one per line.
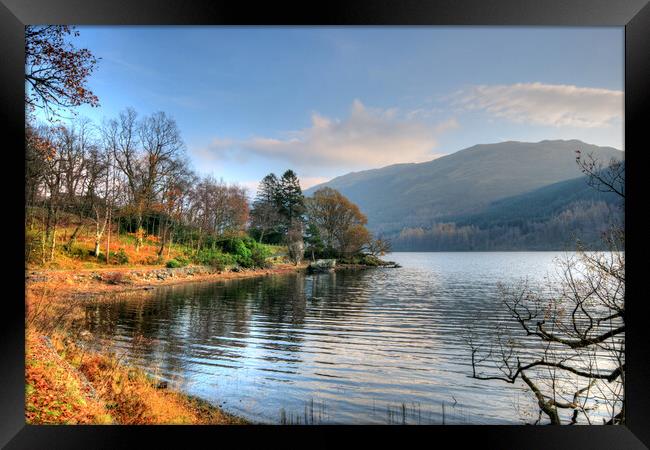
point(401, 220)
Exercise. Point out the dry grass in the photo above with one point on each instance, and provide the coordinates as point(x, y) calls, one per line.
point(66, 384)
point(80, 257)
point(54, 394)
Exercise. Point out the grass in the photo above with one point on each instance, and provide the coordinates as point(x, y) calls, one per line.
point(122, 249)
point(53, 393)
point(80, 256)
point(67, 384)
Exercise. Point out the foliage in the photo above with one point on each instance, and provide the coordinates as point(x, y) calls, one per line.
point(379, 247)
point(246, 252)
point(56, 73)
point(340, 223)
point(314, 243)
point(265, 215)
point(214, 258)
point(120, 257)
point(175, 263)
point(289, 198)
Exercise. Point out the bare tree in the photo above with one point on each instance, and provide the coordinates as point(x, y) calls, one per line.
point(566, 343)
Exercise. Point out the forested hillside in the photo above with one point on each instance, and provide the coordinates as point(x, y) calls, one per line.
point(550, 218)
point(419, 195)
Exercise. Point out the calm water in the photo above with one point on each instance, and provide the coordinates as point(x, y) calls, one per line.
point(374, 346)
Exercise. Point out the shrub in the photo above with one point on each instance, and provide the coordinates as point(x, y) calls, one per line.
point(214, 258)
point(79, 252)
point(120, 257)
point(259, 255)
point(176, 263)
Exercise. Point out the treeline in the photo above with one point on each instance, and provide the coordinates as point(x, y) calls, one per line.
point(583, 221)
point(130, 173)
point(324, 225)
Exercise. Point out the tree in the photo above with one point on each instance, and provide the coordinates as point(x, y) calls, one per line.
point(295, 242)
point(340, 222)
point(315, 245)
point(265, 213)
point(56, 73)
point(147, 152)
point(567, 344)
point(289, 198)
point(378, 247)
point(353, 240)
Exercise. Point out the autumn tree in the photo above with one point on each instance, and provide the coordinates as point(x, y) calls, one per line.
point(176, 188)
point(340, 222)
point(56, 73)
point(217, 209)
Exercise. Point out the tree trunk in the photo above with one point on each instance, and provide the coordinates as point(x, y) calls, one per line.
point(73, 237)
point(163, 240)
point(53, 242)
point(138, 232)
point(108, 239)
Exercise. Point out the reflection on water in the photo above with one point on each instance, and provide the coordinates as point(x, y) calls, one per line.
point(374, 346)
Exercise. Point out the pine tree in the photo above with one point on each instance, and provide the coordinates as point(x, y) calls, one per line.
point(265, 215)
point(290, 199)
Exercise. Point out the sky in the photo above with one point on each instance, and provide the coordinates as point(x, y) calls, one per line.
point(325, 101)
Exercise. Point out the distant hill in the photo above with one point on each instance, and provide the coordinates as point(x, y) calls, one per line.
point(469, 183)
point(549, 218)
point(538, 205)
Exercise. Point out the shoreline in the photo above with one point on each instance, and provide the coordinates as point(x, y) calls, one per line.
point(66, 384)
point(106, 284)
point(117, 280)
point(53, 372)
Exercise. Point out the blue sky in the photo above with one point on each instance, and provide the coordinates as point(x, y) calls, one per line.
point(327, 101)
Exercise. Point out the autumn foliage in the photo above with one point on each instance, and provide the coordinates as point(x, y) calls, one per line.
point(56, 73)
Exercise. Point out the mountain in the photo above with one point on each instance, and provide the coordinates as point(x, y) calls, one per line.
point(538, 205)
point(549, 218)
point(462, 183)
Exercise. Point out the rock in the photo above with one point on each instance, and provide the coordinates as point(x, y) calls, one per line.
point(86, 335)
point(321, 265)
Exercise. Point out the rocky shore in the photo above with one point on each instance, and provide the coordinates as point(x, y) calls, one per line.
point(109, 280)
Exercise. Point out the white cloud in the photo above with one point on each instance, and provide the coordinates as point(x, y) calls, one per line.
point(558, 105)
point(367, 138)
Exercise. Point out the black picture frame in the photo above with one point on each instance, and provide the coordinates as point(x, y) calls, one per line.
point(634, 15)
